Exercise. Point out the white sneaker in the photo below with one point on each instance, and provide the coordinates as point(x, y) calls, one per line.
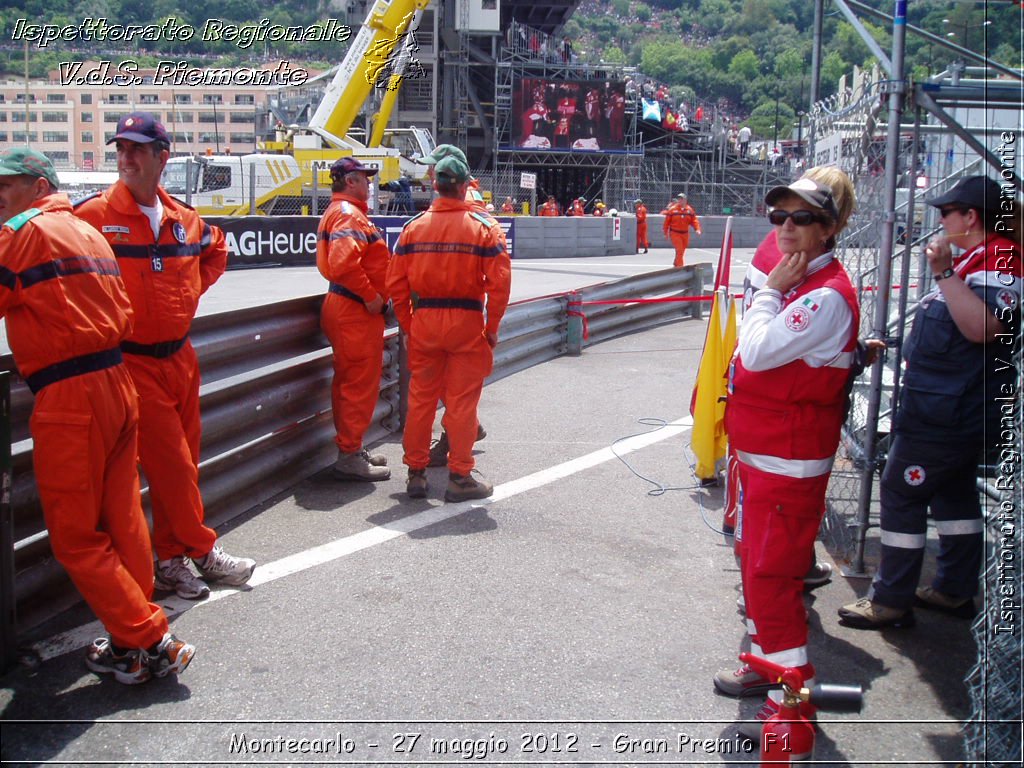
point(175, 576)
point(221, 567)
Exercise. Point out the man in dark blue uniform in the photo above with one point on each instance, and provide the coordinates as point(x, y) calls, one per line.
point(958, 376)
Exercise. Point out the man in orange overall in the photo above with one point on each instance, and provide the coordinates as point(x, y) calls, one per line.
point(452, 258)
point(439, 449)
point(679, 219)
point(641, 227)
point(67, 311)
point(550, 208)
point(168, 257)
point(352, 255)
point(577, 208)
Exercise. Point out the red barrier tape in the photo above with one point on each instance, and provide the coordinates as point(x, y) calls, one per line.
point(658, 301)
point(582, 316)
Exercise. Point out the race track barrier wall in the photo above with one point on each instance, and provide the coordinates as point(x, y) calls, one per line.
point(261, 241)
point(266, 410)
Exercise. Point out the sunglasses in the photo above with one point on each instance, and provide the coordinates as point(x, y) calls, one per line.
point(800, 218)
point(944, 212)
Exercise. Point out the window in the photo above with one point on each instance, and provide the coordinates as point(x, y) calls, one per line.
point(86, 98)
point(111, 117)
point(20, 137)
point(149, 98)
point(216, 177)
point(21, 98)
point(213, 98)
point(243, 138)
point(58, 158)
point(110, 158)
point(242, 117)
point(3, 117)
point(19, 117)
point(87, 117)
point(182, 98)
point(211, 117)
point(182, 136)
point(117, 98)
point(87, 158)
point(87, 137)
point(244, 98)
point(108, 135)
point(55, 98)
point(181, 117)
point(55, 117)
point(206, 137)
point(3, 135)
point(55, 137)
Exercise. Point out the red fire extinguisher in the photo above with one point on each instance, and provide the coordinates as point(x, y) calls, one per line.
point(788, 736)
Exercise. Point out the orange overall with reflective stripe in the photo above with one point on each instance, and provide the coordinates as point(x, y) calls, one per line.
point(165, 276)
point(353, 256)
point(67, 311)
point(454, 260)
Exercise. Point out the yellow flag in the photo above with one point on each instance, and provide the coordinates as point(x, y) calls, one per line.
point(708, 439)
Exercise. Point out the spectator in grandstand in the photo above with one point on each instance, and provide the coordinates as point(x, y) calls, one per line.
point(599, 209)
point(509, 206)
point(641, 227)
point(784, 414)
point(168, 257)
point(952, 408)
point(743, 141)
point(452, 259)
point(67, 311)
point(576, 209)
point(680, 218)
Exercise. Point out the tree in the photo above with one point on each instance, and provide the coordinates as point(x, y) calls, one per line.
point(744, 65)
point(763, 120)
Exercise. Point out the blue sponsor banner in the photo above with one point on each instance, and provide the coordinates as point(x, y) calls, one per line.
point(290, 241)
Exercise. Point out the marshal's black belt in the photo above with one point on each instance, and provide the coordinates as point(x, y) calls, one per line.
point(473, 304)
point(341, 290)
point(76, 366)
point(160, 350)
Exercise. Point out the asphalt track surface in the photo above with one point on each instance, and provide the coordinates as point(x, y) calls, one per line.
point(574, 618)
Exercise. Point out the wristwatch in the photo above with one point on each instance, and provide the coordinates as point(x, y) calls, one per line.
point(947, 272)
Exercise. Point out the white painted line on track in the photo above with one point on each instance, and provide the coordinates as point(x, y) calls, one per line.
point(79, 637)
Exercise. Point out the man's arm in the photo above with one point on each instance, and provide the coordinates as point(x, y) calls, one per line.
point(213, 256)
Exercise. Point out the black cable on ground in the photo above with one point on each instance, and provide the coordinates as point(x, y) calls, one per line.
point(660, 489)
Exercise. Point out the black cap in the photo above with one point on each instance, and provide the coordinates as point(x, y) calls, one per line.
point(140, 127)
point(979, 192)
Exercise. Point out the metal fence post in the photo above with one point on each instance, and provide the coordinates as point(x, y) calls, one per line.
point(574, 324)
point(8, 644)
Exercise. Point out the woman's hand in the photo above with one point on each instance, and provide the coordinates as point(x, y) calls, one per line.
point(788, 272)
point(939, 254)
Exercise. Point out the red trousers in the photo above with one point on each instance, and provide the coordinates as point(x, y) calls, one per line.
point(779, 518)
point(84, 434)
point(358, 343)
point(641, 236)
point(449, 357)
point(169, 434)
point(679, 242)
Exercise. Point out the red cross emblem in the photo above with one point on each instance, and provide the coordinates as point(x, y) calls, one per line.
point(798, 319)
point(914, 474)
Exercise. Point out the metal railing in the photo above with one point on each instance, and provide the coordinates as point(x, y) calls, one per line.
point(266, 403)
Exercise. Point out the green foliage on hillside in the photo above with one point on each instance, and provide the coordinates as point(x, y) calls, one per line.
point(750, 55)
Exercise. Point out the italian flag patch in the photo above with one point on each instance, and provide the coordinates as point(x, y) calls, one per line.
point(810, 305)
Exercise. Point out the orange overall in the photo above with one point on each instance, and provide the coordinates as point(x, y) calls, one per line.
point(641, 228)
point(549, 208)
point(165, 277)
point(353, 256)
point(451, 257)
point(67, 311)
point(679, 219)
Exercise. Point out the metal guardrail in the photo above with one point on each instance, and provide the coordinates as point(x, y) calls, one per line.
point(266, 405)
